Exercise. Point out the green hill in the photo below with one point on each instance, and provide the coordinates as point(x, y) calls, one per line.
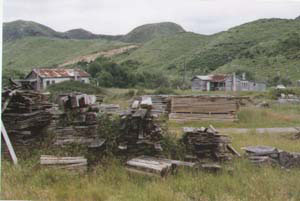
point(80, 34)
point(148, 32)
point(166, 53)
point(20, 29)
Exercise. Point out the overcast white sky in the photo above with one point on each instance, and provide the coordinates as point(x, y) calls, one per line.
point(120, 16)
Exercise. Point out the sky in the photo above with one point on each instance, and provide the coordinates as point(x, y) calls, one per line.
point(121, 16)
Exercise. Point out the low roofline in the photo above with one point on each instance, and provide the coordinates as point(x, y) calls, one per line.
point(36, 71)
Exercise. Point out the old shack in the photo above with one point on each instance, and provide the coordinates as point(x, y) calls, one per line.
point(225, 82)
point(41, 78)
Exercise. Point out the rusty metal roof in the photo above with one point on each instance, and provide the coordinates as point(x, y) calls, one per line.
point(219, 78)
point(60, 72)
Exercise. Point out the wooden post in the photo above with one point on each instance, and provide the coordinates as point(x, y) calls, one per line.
point(9, 145)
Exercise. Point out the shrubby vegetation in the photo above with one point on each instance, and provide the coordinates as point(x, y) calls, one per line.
point(125, 75)
point(74, 86)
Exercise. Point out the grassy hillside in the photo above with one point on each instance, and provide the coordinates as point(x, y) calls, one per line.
point(279, 57)
point(228, 51)
point(26, 53)
point(166, 53)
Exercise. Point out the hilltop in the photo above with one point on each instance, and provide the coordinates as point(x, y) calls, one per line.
point(148, 32)
point(20, 29)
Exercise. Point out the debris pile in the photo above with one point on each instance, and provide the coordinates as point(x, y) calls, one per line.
point(25, 113)
point(141, 132)
point(208, 108)
point(67, 163)
point(207, 143)
point(272, 155)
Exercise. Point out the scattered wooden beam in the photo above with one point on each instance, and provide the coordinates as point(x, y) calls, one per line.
point(69, 163)
point(9, 145)
point(233, 150)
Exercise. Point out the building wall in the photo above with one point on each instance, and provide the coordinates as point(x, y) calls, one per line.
point(49, 81)
point(199, 85)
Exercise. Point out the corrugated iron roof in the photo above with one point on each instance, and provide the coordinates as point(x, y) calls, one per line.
point(219, 78)
point(60, 72)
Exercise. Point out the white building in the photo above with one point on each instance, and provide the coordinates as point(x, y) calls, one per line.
point(41, 78)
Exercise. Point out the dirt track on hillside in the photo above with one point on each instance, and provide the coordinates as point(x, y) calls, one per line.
point(92, 57)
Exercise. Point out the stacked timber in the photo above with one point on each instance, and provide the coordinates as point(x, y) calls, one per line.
point(79, 125)
point(271, 155)
point(207, 108)
point(25, 114)
point(140, 133)
point(160, 104)
point(109, 108)
point(207, 143)
point(67, 163)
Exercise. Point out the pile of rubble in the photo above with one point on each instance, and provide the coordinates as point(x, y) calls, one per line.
point(207, 143)
point(272, 155)
point(141, 132)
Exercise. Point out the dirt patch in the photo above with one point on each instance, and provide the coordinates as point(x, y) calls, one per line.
point(94, 56)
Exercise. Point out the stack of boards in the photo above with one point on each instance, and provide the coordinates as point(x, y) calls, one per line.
point(207, 143)
point(207, 108)
point(158, 104)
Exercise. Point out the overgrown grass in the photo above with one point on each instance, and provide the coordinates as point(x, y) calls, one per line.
point(110, 181)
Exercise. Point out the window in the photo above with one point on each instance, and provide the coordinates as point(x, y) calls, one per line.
point(47, 82)
point(83, 81)
point(53, 82)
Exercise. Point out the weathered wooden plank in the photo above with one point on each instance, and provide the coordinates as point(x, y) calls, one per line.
point(9, 145)
point(233, 150)
point(146, 102)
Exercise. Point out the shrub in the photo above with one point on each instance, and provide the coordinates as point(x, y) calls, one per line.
point(163, 90)
point(275, 93)
point(74, 86)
